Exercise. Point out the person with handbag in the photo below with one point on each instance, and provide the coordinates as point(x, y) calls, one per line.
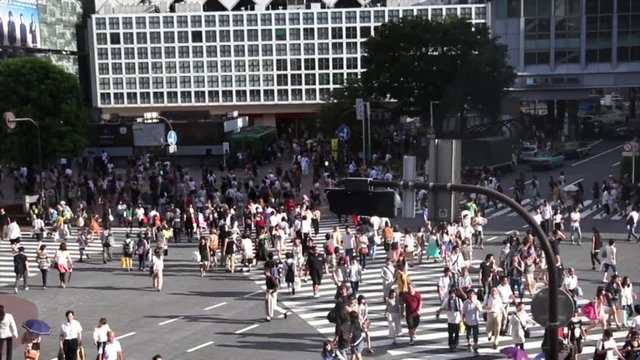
point(63, 263)
point(70, 336)
point(44, 263)
point(607, 348)
point(519, 326)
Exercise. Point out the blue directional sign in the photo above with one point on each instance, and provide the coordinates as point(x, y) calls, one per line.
point(172, 138)
point(344, 133)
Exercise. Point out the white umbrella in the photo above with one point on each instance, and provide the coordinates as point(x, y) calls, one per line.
point(570, 187)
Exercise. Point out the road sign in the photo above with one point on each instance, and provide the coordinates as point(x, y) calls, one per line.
point(172, 138)
point(360, 109)
point(173, 149)
point(9, 120)
point(344, 133)
point(540, 307)
point(630, 149)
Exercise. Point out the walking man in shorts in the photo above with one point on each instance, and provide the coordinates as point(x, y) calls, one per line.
point(412, 300)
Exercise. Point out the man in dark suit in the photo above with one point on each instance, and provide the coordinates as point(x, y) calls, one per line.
point(23, 32)
point(11, 30)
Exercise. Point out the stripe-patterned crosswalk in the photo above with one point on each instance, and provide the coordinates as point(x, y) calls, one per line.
point(431, 340)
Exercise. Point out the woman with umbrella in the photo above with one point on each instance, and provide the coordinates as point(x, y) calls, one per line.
point(34, 329)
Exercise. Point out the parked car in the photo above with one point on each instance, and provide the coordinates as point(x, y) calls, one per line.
point(547, 160)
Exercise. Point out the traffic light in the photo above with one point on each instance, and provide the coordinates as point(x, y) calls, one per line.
point(368, 203)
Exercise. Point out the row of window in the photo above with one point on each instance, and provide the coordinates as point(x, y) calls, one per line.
point(572, 56)
point(226, 51)
point(224, 81)
point(282, 18)
point(214, 97)
point(228, 66)
point(573, 25)
point(235, 36)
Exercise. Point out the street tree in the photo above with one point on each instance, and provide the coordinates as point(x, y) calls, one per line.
point(415, 61)
point(38, 89)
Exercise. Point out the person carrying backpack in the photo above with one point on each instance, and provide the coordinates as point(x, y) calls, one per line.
point(290, 273)
point(127, 252)
point(107, 241)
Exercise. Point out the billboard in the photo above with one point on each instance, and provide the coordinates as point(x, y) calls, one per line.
point(148, 134)
point(19, 23)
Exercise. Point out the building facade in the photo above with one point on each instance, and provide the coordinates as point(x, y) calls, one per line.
point(562, 49)
point(262, 63)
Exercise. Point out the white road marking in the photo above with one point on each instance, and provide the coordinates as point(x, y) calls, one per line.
point(200, 346)
point(170, 321)
point(247, 329)
point(125, 335)
point(491, 238)
point(253, 293)
point(615, 164)
point(598, 155)
point(215, 306)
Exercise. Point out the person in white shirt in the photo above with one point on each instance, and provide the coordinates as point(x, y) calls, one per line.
point(453, 307)
point(455, 261)
point(348, 242)
point(609, 261)
point(445, 283)
point(518, 326)
point(471, 310)
point(13, 233)
point(112, 350)
point(478, 235)
point(607, 346)
point(575, 226)
point(70, 336)
point(8, 332)
point(495, 310)
point(570, 283)
point(387, 273)
point(100, 333)
point(632, 222)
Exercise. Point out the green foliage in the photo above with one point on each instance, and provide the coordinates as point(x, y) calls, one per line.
point(415, 61)
point(35, 88)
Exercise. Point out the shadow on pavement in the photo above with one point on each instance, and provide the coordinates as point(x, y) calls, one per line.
point(21, 309)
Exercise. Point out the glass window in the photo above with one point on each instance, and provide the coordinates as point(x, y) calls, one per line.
point(238, 20)
point(394, 15)
point(185, 97)
point(308, 34)
point(199, 97)
point(157, 82)
point(103, 69)
point(104, 84)
point(213, 96)
point(350, 17)
point(241, 96)
point(281, 49)
point(238, 35)
point(143, 83)
point(268, 95)
point(310, 79)
point(240, 66)
point(225, 51)
point(156, 52)
point(294, 34)
point(336, 49)
point(225, 36)
point(436, 14)
point(185, 67)
point(295, 64)
point(212, 81)
point(154, 22)
point(225, 66)
point(114, 38)
point(323, 48)
point(127, 38)
point(281, 34)
point(323, 34)
point(336, 17)
point(253, 50)
point(169, 37)
point(212, 66)
point(336, 33)
point(267, 80)
point(365, 32)
point(117, 84)
point(183, 52)
point(118, 98)
point(182, 22)
point(310, 94)
point(309, 49)
point(423, 13)
point(116, 54)
point(407, 13)
point(156, 67)
point(252, 35)
point(252, 20)
point(267, 65)
point(129, 68)
point(323, 64)
point(223, 20)
point(265, 19)
point(352, 63)
point(241, 81)
point(210, 21)
point(103, 54)
point(155, 37)
point(296, 94)
point(283, 95)
point(114, 23)
point(310, 64)
point(294, 19)
point(211, 51)
point(129, 53)
point(132, 84)
point(116, 69)
point(196, 21)
point(254, 95)
point(307, 18)
point(143, 53)
point(351, 32)
point(254, 80)
point(322, 18)
point(465, 12)
point(158, 97)
point(281, 64)
point(379, 16)
point(197, 52)
point(254, 65)
point(170, 67)
point(267, 50)
point(352, 48)
point(324, 79)
point(183, 37)
point(167, 22)
point(280, 19)
point(238, 50)
point(282, 80)
point(296, 79)
point(198, 67)
point(338, 63)
point(226, 81)
point(294, 49)
point(101, 39)
point(266, 34)
point(101, 23)
point(196, 36)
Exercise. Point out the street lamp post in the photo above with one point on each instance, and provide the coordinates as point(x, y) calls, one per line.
point(10, 121)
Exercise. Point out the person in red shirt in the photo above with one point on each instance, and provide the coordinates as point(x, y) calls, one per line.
point(412, 300)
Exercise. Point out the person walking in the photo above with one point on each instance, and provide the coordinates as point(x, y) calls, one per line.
point(316, 267)
point(596, 245)
point(632, 222)
point(63, 263)
point(627, 298)
point(610, 259)
point(271, 295)
point(107, 241)
point(387, 273)
point(355, 275)
point(156, 268)
point(127, 252)
point(453, 308)
point(8, 332)
point(290, 273)
point(519, 326)
point(412, 300)
point(21, 269)
point(575, 335)
point(471, 310)
point(203, 252)
point(70, 336)
point(111, 350)
point(13, 233)
point(142, 251)
point(576, 230)
point(83, 242)
point(44, 263)
point(100, 334)
point(607, 348)
point(393, 315)
point(494, 307)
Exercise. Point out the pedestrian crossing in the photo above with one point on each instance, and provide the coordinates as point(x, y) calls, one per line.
point(431, 339)
point(7, 275)
point(588, 210)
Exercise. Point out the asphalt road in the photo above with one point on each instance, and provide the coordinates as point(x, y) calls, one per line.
point(219, 316)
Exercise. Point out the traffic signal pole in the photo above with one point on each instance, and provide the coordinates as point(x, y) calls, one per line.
point(552, 337)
